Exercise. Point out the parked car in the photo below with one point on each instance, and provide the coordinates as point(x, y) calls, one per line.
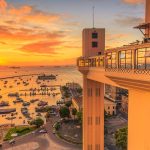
point(12, 141)
point(43, 131)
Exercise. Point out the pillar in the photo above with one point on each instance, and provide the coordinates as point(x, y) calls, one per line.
point(138, 120)
point(93, 115)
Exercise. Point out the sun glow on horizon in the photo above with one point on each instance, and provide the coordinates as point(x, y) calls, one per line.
point(33, 34)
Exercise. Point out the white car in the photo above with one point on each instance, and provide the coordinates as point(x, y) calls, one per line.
point(33, 132)
point(12, 141)
point(42, 131)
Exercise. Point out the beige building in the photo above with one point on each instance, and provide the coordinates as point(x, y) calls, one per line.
point(77, 103)
point(124, 104)
point(110, 107)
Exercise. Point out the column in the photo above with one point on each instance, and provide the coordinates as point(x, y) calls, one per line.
point(93, 115)
point(138, 120)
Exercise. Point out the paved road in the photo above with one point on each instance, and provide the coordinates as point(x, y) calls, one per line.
point(112, 125)
point(57, 140)
point(39, 141)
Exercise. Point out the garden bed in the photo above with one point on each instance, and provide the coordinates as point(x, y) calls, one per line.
point(20, 130)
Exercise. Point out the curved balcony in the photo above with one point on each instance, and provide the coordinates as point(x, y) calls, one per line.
point(127, 65)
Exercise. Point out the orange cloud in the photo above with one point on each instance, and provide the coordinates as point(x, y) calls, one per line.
point(42, 47)
point(20, 11)
point(3, 5)
point(133, 1)
point(28, 34)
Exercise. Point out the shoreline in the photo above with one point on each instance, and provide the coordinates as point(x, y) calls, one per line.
point(24, 75)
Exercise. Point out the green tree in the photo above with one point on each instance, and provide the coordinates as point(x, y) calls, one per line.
point(79, 90)
point(79, 116)
point(121, 138)
point(68, 103)
point(74, 112)
point(38, 122)
point(57, 126)
point(66, 91)
point(64, 112)
point(48, 109)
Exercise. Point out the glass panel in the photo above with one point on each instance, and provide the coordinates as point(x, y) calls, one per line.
point(141, 58)
point(108, 60)
point(114, 60)
point(141, 63)
point(94, 35)
point(148, 63)
point(147, 56)
point(141, 52)
point(94, 44)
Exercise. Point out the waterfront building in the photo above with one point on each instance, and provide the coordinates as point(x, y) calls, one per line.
point(115, 94)
point(77, 103)
point(126, 67)
point(109, 107)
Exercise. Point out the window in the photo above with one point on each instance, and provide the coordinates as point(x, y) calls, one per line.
point(143, 58)
point(94, 35)
point(89, 92)
point(97, 147)
point(100, 61)
point(89, 147)
point(94, 44)
point(97, 121)
point(89, 121)
point(125, 59)
point(111, 60)
point(99, 53)
point(97, 92)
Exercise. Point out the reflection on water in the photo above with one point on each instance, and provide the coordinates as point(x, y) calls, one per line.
point(17, 84)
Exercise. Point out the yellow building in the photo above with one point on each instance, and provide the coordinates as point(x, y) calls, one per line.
point(77, 103)
point(110, 107)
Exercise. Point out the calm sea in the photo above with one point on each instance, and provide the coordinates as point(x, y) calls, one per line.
point(65, 74)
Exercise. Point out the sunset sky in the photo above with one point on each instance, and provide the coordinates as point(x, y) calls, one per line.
point(48, 32)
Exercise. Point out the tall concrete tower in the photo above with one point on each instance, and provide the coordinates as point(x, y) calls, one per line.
point(93, 42)
point(93, 93)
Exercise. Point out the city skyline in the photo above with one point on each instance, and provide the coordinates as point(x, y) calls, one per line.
point(46, 32)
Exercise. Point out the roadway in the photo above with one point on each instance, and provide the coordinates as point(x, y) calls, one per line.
point(40, 141)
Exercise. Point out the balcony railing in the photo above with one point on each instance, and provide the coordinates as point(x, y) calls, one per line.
point(123, 61)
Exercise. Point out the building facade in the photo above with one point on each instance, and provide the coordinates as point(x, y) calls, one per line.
point(126, 67)
point(77, 103)
point(93, 93)
point(109, 107)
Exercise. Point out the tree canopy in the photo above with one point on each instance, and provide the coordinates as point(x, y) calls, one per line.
point(64, 112)
point(37, 122)
point(121, 138)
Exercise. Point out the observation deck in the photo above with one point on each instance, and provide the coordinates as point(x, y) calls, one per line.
point(127, 66)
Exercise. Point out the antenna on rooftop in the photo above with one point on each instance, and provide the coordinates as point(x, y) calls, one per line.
point(93, 16)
